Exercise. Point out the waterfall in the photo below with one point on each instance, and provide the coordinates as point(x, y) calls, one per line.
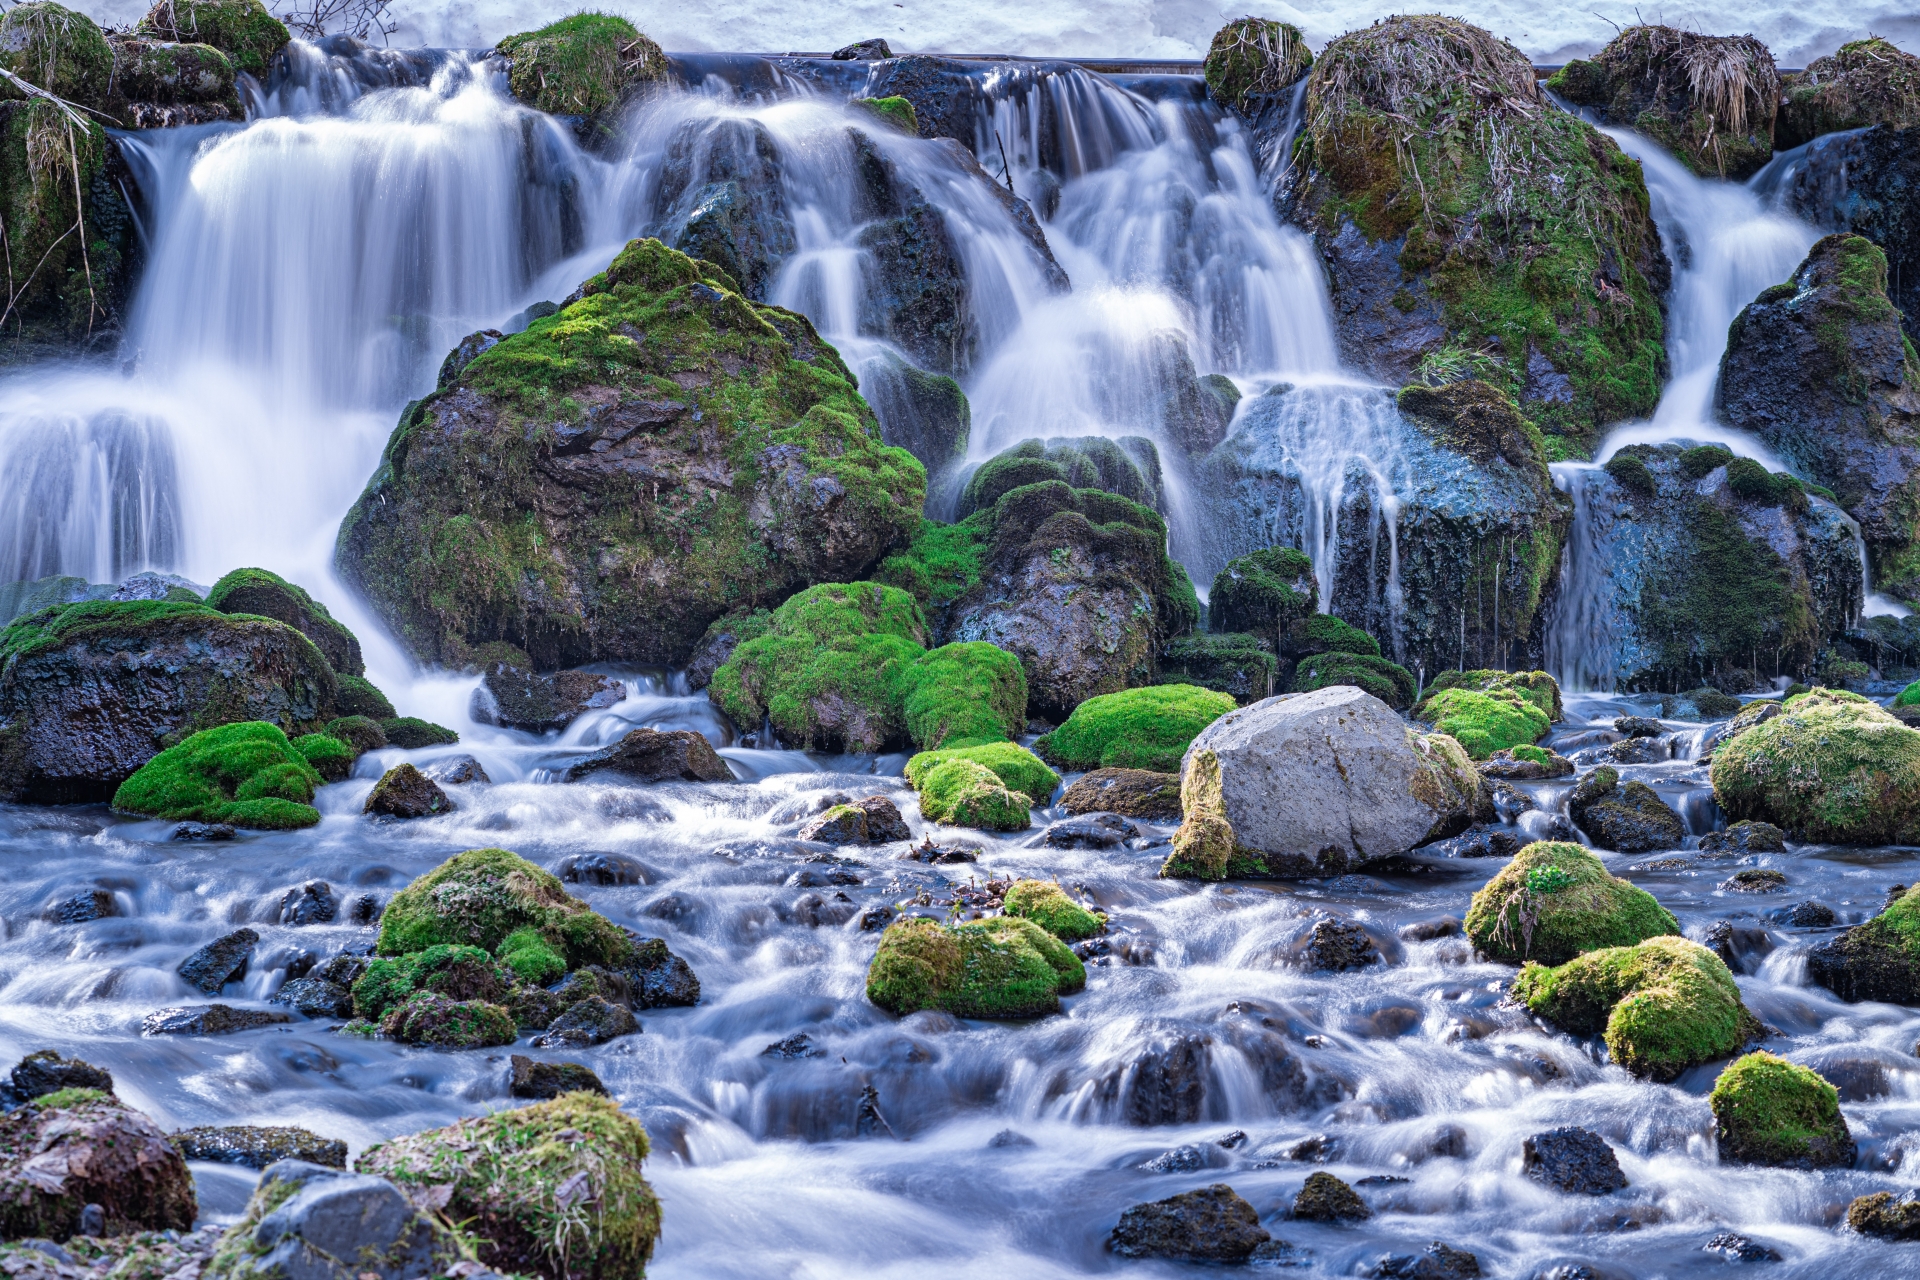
point(1579, 638)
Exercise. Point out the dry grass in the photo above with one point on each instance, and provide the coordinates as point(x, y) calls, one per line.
point(1731, 78)
point(1276, 51)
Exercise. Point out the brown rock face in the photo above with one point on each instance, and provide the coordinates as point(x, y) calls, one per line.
point(55, 1161)
point(404, 792)
point(653, 755)
point(1136, 793)
point(539, 704)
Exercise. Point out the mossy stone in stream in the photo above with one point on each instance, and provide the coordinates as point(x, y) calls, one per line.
point(1664, 1005)
point(531, 957)
point(410, 733)
point(242, 29)
point(1004, 967)
point(481, 897)
point(331, 758)
point(1325, 1198)
point(107, 1154)
point(518, 1177)
point(455, 970)
point(1878, 960)
point(1047, 905)
point(968, 691)
point(1388, 681)
point(1016, 768)
point(1767, 1110)
point(268, 595)
point(359, 697)
point(1484, 723)
point(896, 111)
point(1148, 728)
point(1833, 767)
point(581, 65)
point(358, 732)
point(1555, 901)
point(1238, 663)
point(1537, 687)
point(964, 793)
point(431, 1019)
point(244, 774)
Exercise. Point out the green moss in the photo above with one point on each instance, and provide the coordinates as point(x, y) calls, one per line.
point(1135, 729)
point(969, 690)
point(1024, 464)
point(965, 793)
point(1909, 696)
point(70, 1098)
point(1735, 597)
point(1833, 767)
point(410, 734)
point(1005, 967)
point(553, 1190)
point(1865, 82)
point(1268, 593)
point(1665, 1004)
point(358, 697)
point(242, 29)
point(1697, 462)
point(1047, 905)
point(246, 774)
point(1511, 919)
point(1017, 768)
point(268, 595)
point(531, 957)
point(56, 49)
point(1325, 633)
point(943, 562)
point(1766, 1110)
point(454, 970)
point(1236, 663)
point(483, 896)
point(358, 732)
point(1537, 687)
point(896, 111)
point(1204, 846)
point(1532, 754)
point(1254, 57)
point(331, 758)
point(1754, 483)
point(1388, 681)
point(66, 624)
point(440, 1022)
point(581, 65)
point(1632, 474)
point(1484, 723)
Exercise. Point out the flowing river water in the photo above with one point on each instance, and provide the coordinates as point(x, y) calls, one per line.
point(307, 273)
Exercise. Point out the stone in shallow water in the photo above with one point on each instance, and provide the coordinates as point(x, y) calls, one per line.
point(603, 869)
point(531, 1078)
point(221, 961)
point(457, 771)
point(1479, 841)
point(1885, 1215)
point(202, 831)
point(873, 820)
point(1804, 915)
point(1755, 880)
point(1744, 837)
point(316, 998)
point(1212, 1224)
point(45, 1071)
point(1136, 793)
point(1325, 1198)
point(518, 699)
point(337, 1226)
point(660, 979)
point(1439, 1262)
point(257, 1146)
point(1337, 945)
point(88, 904)
point(797, 1045)
point(1095, 831)
point(310, 903)
point(1574, 1160)
point(208, 1020)
point(1735, 1247)
point(649, 755)
point(1638, 727)
point(404, 792)
point(590, 1021)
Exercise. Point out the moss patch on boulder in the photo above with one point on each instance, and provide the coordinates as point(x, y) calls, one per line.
point(242, 29)
point(54, 48)
point(1388, 681)
point(1147, 728)
point(1766, 1110)
point(1254, 58)
point(268, 595)
point(1555, 901)
point(942, 563)
point(411, 733)
point(1047, 905)
point(581, 65)
point(1664, 1005)
point(964, 793)
point(1833, 767)
point(1269, 594)
point(896, 111)
point(1005, 967)
point(244, 774)
point(1877, 960)
point(454, 970)
point(1238, 663)
point(1484, 723)
point(436, 1021)
point(331, 758)
point(1017, 768)
point(483, 896)
point(1537, 687)
point(359, 697)
point(966, 691)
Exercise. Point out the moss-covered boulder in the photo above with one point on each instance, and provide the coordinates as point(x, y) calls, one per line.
point(1270, 594)
point(1664, 1005)
point(1878, 960)
point(1017, 768)
point(1484, 723)
point(331, 757)
point(1443, 251)
point(310, 1218)
point(1818, 367)
point(969, 691)
point(1005, 967)
point(554, 1189)
point(454, 970)
point(1047, 905)
point(1555, 901)
point(482, 897)
point(57, 49)
point(250, 36)
point(1128, 467)
point(268, 595)
point(582, 65)
point(1135, 729)
point(966, 793)
point(1388, 681)
point(245, 775)
point(589, 496)
point(1710, 100)
point(1537, 687)
point(1629, 817)
point(1833, 767)
point(358, 696)
point(73, 1148)
point(1766, 1110)
point(1237, 663)
point(439, 1022)
point(1862, 83)
point(410, 733)
point(1251, 59)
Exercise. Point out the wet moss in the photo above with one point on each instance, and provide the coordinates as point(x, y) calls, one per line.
point(54, 48)
point(965, 793)
point(1555, 901)
point(431, 1019)
point(1236, 663)
point(1767, 1110)
point(1484, 723)
point(455, 970)
point(1047, 905)
point(1017, 768)
point(1324, 633)
point(1252, 58)
point(244, 774)
point(1537, 687)
point(1664, 1005)
point(481, 897)
point(1735, 597)
point(359, 697)
point(942, 563)
point(358, 732)
point(1633, 474)
point(581, 65)
point(896, 111)
point(410, 733)
point(1148, 728)
point(1388, 681)
point(969, 691)
point(1024, 464)
point(1833, 767)
point(250, 36)
point(268, 595)
point(1268, 593)
point(1005, 967)
point(331, 758)
point(531, 957)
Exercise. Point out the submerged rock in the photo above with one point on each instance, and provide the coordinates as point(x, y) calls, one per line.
point(1209, 1225)
point(1555, 901)
point(404, 792)
point(1439, 1262)
point(1574, 1160)
point(543, 1081)
point(1336, 945)
point(517, 699)
point(208, 1020)
point(309, 1221)
point(256, 1147)
point(88, 904)
point(1134, 793)
point(1766, 1110)
point(79, 1148)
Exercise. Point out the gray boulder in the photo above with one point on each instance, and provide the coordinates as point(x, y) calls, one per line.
point(221, 961)
point(654, 755)
point(517, 699)
point(310, 1222)
point(208, 1020)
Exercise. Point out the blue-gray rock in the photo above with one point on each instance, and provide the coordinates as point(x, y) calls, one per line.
point(219, 962)
point(1574, 1160)
point(208, 1020)
point(334, 1226)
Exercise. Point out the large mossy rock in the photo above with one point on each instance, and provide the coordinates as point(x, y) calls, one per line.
point(1863, 83)
point(1834, 767)
point(269, 595)
point(1819, 369)
point(583, 65)
point(1710, 100)
point(605, 484)
point(1312, 783)
point(1254, 59)
point(1269, 593)
point(1628, 817)
point(1767, 1110)
point(56, 49)
point(1128, 467)
point(250, 36)
point(554, 1189)
point(1005, 967)
point(1664, 1005)
point(74, 1148)
point(1555, 901)
point(1147, 728)
point(90, 692)
point(483, 897)
point(1015, 767)
point(1439, 246)
point(245, 775)
point(1878, 960)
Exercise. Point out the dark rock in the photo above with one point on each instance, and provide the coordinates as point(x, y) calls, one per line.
point(590, 1021)
point(1318, 1148)
point(543, 1080)
point(1744, 837)
point(219, 962)
point(1638, 751)
point(1639, 727)
point(316, 997)
point(1885, 1215)
point(873, 820)
point(1740, 947)
point(602, 869)
point(1134, 793)
point(1439, 1262)
point(722, 637)
point(366, 909)
point(1863, 182)
point(517, 699)
point(1755, 880)
point(456, 771)
point(310, 1222)
point(1327, 1199)
point(1860, 964)
point(465, 352)
point(874, 50)
point(202, 831)
point(1094, 831)
point(1179, 1160)
point(208, 1020)
point(1735, 1247)
point(660, 979)
point(1478, 841)
point(412, 734)
point(926, 414)
point(818, 912)
point(1428, 930)
point(940, 854)
point(719, 197)
point(822, 878)
point(45, 1071)
point(404, 792)
point(1337, 945)
point(1626, 817)
point(797, 1045)
point(1860, 1073)
point(311, 903)
point(89, 904)
point(1209, 1225)
point(653, 755)
point(1804, 915)
point(91, 1166)
point(945, 95)
point(1577, 1161)
point(1009, 1138)
point(1502, 764)
point(256, 1147)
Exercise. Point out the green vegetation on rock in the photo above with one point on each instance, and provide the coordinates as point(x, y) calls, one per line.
point(54, 48)
point(268, 595)
point(1203, 847)
point(1146, 728)
point(483, 896)
point(440, 1022)
point(1665, 1004)
point(246, 774)
point(943, 562)
point(970, 691)
point(331, 758)
point(1865, 82)
point(531, 957)
point(1268, 593)
point(1017, 768)
point(1005, 967)
point(1254, 57)
point(1555, 901)
point(1236, 663)
point(1833, 767)
point(1047, 905)
point(1767, 1110)
point(242, 29)
point(1484, 723)
point(1388, 681)
point(965, 793)
point(410, 733)
point(581, 65)
point(896, 111)
point(359, 697)
point(1537, 687)
point(454, 970)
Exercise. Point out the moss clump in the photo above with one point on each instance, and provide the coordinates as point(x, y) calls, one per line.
point(1537, 687)
point(455, 970)
point(1024, 464)
point(970, 691)
point(242, 29)
point(71, 1097)
point(1388, 681)
point(965, 793)
point(331, 758)
point(1909, 696)
point(245, 774)
point(1833, 767)
point(1664, 1005)
point(410, 734)
point(896, 111)
point(1203, 847)
point(358, 732)
point(483, 896)
point(1484, 723)
point(531, 957)
point(268, 595)
point(1324, 633)
point(943, 562)
point(359, 697)
point(56, 49)
point(1017, 768)
point(431, 1019)
point(1555, 901)
point(1252, 57)
point(553, 1190)
point(1632, 473)
point(581, 65)
point(1005, 967)
point(1236, 663)
point(1863, 83)
point(1766, 1110)
point(1735, 597)
point(1135, 729)
point(1269, 593)
point(1047, 905)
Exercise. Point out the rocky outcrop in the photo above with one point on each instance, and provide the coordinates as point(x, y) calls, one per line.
point(1863, 183)
point(77, 1148)
point(308, 1221)
point(720, 199)
point(243, 30)
point(1627, 817)
point(926, 414)
point(1863, 83)
point(1212, 1224)
point(519, 699)
point(621, 529)
point(1767, 1110)
point(1878, 960)
point(587, 65)
point(268, 595)
point(655, 755)
point(1819, 369)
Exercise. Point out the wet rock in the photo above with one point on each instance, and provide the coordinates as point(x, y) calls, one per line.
point(1638, 751)
point(1802, 770)
point(307, 1221)
point(1740, 947)
point(316, 997)
point(1428, 930)
point(1742, 838)
point(457, 771)
point(1804, 915)
point(1770, 1111)
point(531, 1078)
point(1735, 1247)
point(219, 962)
point(1009, 1138)
point(93, 1153)
point(1638, 727)
point(1094, 831)
point(1860, 1073)
point(589, 1022)
point(365, 910)
point(817, 912)
point(940, 854)
point(1504, 764)
point(874, 820)
point(652, 755)
point(1319, 1148)
point(1873, 961)
point(1885, 1215)
point(1165, 1082)
point(208, 1020)
point(45, 1071)
point(603, 869)
point(203, 831)
point(1209, 1225)
point(874, 50)
point(1000, 967)
point(256, 1147)
point(659, 978)
point(1134, 793)
point(89, 904)
point(404, 792)
point(1625, 817)
point(441, 1022)
point(1438, 1262)
point(311, 903)
point(1186, 1159)
point(1477, 841)
point(1327, 1199)
point(1577, 1161)
point(821, 878)
point(1338, 945)
point(796, 1046)
point(1755, 880)
point(516, 699)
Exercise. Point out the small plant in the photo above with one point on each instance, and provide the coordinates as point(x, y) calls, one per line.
point(1542, 881)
